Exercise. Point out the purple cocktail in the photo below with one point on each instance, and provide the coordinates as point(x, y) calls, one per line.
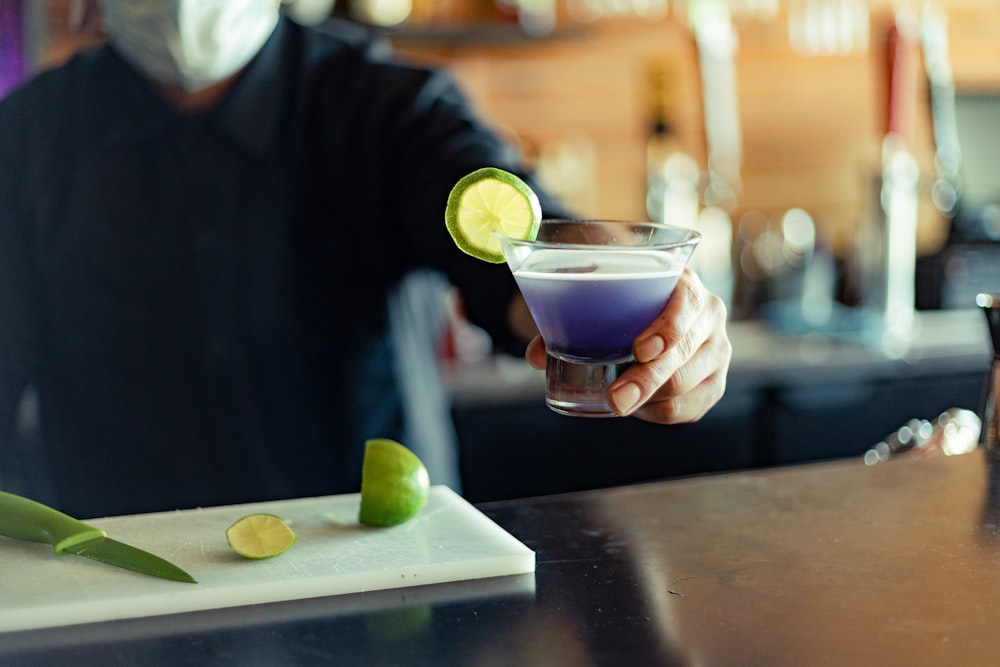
point(593, 312)
point(592, 287)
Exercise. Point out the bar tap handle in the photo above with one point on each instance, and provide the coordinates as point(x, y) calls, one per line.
point(990, 303)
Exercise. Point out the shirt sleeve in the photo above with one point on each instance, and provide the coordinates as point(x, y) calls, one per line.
point(16, 305)
point(440, 139)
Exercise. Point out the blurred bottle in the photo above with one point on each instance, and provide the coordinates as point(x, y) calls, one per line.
point(536, 18)
point(381, 13)
point(672, 175)
point(885, 259)
point(309, 12)
point(673, 183)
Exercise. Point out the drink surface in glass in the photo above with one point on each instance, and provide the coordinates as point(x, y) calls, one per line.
point(592, 287)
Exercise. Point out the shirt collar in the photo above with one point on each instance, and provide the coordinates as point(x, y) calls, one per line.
point(253, 112)
point(250, 114)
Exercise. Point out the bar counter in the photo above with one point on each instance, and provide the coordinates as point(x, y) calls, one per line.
point(831, 563)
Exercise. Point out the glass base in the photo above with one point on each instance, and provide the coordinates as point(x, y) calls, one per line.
point(580, 390)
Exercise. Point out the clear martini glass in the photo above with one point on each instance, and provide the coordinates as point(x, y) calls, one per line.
point(592, 286)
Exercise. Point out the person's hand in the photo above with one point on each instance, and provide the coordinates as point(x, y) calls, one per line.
point(682, 359)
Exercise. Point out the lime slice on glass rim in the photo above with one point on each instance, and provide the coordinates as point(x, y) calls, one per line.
point(394, 484)
point(490, 201)
point(260, 536)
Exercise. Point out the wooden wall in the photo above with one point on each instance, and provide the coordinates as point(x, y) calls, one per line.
point(811, 126)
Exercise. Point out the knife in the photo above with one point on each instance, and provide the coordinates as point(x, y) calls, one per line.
point(25, 519)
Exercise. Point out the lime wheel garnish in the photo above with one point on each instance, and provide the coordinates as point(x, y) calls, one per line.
point(488, 202)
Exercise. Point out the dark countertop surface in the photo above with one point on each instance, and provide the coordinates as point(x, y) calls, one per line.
point(828, 563)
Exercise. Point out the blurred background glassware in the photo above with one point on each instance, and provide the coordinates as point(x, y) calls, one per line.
point(828, 27)
point(955, 431)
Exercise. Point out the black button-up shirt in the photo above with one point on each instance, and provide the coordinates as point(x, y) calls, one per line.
point(200, 299)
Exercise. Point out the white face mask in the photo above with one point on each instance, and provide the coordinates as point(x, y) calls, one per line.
point(189, 43)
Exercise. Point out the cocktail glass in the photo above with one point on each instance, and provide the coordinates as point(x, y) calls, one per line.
point(592, 286)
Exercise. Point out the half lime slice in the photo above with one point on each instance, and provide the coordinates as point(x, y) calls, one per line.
point(490, 201)
point(260, 536)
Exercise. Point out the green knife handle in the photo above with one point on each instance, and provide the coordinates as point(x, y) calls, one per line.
point(25, 519)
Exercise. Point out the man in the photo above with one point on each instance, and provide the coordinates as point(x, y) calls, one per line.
point(199, 226)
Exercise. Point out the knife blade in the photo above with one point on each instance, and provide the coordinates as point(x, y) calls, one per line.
point(25, 519)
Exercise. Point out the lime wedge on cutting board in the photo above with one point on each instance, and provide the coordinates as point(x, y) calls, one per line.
point(490, 201)
point(394, 484)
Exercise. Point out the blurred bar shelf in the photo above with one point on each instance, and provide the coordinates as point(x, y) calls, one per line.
point(789, 399)
point(950, 341)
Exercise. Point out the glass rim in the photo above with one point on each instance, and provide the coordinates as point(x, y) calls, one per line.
point(690, 236)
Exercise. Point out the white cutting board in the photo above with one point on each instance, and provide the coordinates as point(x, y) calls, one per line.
point(450, 540)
